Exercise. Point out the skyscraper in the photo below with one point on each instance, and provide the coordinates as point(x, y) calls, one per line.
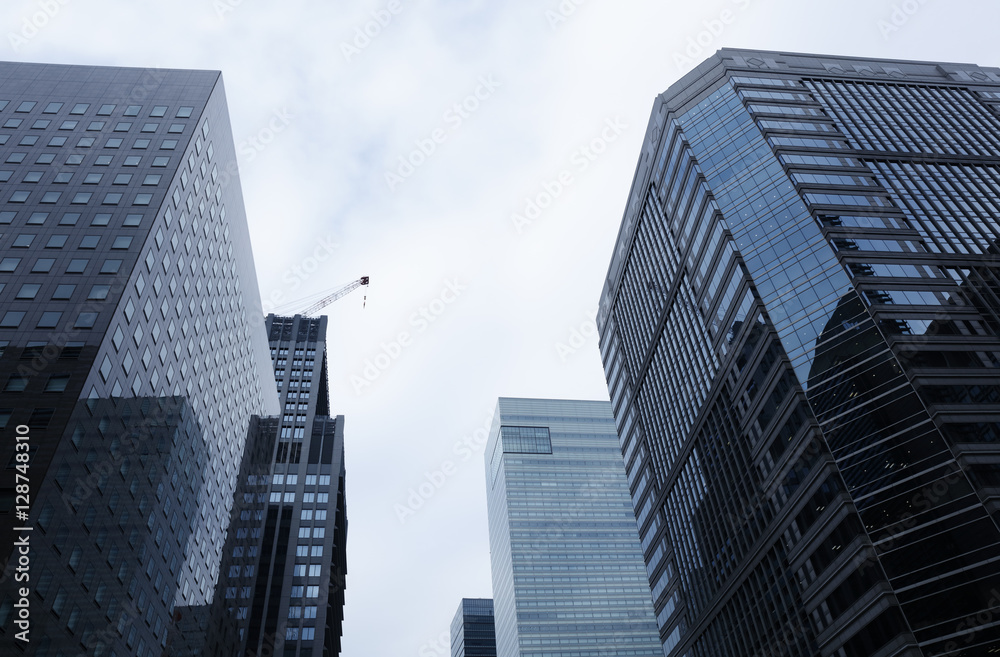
point(800, 334)
point(568, 575)
point(284, 584)
point(132, 364)
point(473, 633)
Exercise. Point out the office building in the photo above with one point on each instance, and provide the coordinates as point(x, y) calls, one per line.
point(799, 329)
point(568, 574)
point(286, 575)
point(472, 630)
point(131, 355)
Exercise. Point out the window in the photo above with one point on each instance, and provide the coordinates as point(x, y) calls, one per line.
point(295, 612)
point(123, 178)
point(292, 633)
point(28, 291)
point(132, 110)
point(32, 176)
point(168, 144)
point(142, 199)
point(310, 611)
point(51, 197)
point(111, 266)
point(9, 264)
point(28, 140)
point(130, 161)
point(77, 265)
point(64, 291)
point(63, 177)
point(312, 592)
point(43, 265)
point(90, 241)
point(316, 551)
point(314, 570)
point(69, 219)
point(81, 198)
point(308, 633)
point(150, 127)
point(176, 128)
point(52, 108)
point(184, 113)
point(122, 242)
point(99, 292)
point(152, 179)
point(23, 241)
point(297, 591)
point(56, 242)
point(114, 142)
point(122, 126)
point(12, 319)
point(161, 161)
point(12, 123)
point(102, 161)
point(106, 110)
point(56, 142)
point(75, 158)
point(19, 197)
point(40, 124)
point(111, 198)
point(101, 219)
point(132, 220)
point(141, 144)
point(57, 383)
point(49, 319)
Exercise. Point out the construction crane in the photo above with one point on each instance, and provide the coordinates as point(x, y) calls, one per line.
point(333, 296)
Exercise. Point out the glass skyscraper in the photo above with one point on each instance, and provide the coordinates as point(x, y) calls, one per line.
point(133, 359)
point(800, 334)
point(473, 632)
point(568, 575)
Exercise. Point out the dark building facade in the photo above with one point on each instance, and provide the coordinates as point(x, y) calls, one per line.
point(568, 574)
point(473, 633)
point(284, 581)
point(800, 330)
point(133, 358)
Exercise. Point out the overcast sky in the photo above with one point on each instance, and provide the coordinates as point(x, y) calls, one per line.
point(398, 140)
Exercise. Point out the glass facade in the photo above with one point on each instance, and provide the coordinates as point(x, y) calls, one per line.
point(129, 357)
point(568, 575)
point(473, 633)
point(799, 332)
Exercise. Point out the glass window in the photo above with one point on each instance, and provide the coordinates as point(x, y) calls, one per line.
point(49, 319)
point(57, 141)
point(85, 142)
point(106, 110)
point(85, 320)
point(56, 242)
point(122, 242)
point(26, 106)
point(90, 241)
point(132, 110)
point(28, 291)
point(9, 264)
point(28, 140)
point(69, 219)
point(23, 241)
point(77, 265)
point(43, 265)
point(99, 292)
point(81, 198)
point(51, 197)
point(132, 161)
point(40, 124)
point(19, 197)
point(132, 220)
point(75, 158)
point(111, 199)
point(79, 108)
point(142, 199)
point(152, 179)
point(176, 128)
point(114, 142)
point(161, 161)
point(141, 144)
point(122, 126)
point(63, 291)
point(12, 123)
point(184, 112)
point(111, 266)
point(68, 125)
point(168, 144)
point(159, 110)
point(63, 177)
point(12, 319)
point(123, 179)
point(102, 161)
point(52, 108)
point(16, 158)
point(101, 219)
point(95, 126)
